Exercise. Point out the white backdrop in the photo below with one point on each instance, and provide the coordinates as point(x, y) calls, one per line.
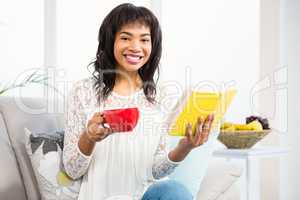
point(289, 56)
point(21, 38)
point(214, 41)
point(78, 32)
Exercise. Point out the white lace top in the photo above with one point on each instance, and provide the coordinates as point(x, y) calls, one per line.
point(123, 164)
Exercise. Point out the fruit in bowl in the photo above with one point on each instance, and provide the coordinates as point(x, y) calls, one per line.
point(254, 125)
point(121, 120)
point(241, 136)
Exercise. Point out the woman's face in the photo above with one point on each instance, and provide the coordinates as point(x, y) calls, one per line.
point(132, 47)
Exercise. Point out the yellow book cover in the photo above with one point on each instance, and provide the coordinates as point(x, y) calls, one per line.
point(194, 104)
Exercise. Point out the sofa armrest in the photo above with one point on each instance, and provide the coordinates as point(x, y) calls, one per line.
point(220, 182)
point(11, 185)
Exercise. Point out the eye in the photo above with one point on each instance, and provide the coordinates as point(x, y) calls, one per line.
point(124, 38)
point(145, 40)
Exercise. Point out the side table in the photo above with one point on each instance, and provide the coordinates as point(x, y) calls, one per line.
point(252, 171)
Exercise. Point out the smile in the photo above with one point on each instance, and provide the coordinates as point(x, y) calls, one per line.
point(133, 59)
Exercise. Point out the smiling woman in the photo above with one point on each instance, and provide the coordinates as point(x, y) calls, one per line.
point(132, 49)
point(111, 161)
point(132, 46)
point(114, 162)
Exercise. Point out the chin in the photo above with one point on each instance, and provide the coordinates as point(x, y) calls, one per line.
point(132, 68)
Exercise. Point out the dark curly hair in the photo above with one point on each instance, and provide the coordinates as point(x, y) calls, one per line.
point(105, 63)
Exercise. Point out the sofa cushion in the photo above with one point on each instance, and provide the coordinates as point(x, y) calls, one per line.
point(45, 152)
point(11, 185)
point(232, 193)
point(220, 178)
point(34, 114)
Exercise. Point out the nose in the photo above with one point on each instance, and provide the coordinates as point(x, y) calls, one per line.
point(135, 46)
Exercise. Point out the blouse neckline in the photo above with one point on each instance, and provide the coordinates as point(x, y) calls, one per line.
point(134, 94)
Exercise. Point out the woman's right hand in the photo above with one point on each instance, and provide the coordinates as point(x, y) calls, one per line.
point(95, 128)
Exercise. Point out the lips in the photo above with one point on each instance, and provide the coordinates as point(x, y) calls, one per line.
point(133, 59)
point(121, 120)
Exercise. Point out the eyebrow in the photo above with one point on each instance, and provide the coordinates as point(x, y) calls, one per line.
point(130, 34)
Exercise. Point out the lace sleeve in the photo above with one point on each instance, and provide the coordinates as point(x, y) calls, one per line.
point(162, 165)
point(75, 162)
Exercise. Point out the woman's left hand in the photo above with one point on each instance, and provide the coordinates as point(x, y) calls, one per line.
point(191, 141)
point(200, 136)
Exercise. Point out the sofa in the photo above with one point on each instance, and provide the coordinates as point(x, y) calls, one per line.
point(17, 180)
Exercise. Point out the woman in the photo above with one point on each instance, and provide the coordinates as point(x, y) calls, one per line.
point(125, 165)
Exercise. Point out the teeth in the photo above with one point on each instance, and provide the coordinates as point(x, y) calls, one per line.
point(133, 57)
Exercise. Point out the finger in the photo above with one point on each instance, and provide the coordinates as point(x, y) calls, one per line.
point(207, 124)
point(206, 128)
point(92, 128)
point(188, 132)
point(101, 134)
point(102, 130)
point(96, 114)
point(98, 119)
point(211, 119)
point(107, 131)
point(98, 138)
point(199, 129)
point(204, 138)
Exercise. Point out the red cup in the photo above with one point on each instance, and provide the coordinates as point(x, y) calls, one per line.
point(121, 120)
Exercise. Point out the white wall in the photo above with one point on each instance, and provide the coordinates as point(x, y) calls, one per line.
point(68, 46)
point(289, 56)
point(78, 23)
point(209, 38)
point(21, 38)
point(272, 104)
point(78, 26)
point(214, 41)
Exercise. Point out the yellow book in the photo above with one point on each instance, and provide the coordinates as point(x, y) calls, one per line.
point(195, 104)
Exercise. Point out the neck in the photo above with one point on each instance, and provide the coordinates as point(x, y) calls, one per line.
point(127, 83)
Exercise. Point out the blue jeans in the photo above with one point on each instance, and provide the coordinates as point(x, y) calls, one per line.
point(167, 190)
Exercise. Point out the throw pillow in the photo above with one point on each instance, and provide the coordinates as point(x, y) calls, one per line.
point(45, 152)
